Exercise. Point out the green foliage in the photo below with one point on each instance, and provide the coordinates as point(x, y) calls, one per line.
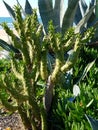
point(68, 112)
point(4, 65)
point(30, 83)
point(34, 75)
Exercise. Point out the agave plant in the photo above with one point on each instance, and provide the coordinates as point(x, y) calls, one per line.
point(25, 73)
point(77, 13)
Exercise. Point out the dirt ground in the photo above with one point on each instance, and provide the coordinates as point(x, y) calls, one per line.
point(11, 122)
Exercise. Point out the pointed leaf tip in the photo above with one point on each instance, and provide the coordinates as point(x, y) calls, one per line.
point(10, 10)
point(28, 8)
point(93, 122)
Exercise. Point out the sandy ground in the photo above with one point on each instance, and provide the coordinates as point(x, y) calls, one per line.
point(11, 122)
point(4, 36)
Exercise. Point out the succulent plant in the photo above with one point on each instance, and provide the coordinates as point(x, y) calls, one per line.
point(77, 13)
point(21, 83)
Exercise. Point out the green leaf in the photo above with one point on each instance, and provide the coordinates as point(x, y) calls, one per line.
point(69, 15)
point(93, 122)
point(87, 68)
point(90, 103)
point(10, 10)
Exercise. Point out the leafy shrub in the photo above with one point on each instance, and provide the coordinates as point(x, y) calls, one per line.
point(69, 111)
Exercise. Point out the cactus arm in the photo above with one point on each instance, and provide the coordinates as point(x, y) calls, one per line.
point(69, 44)
point(73, 57)
point(24, 117)
point(13, 90)
point(12, 35)
point(34, 105)
point(56, 45)
point(17, 74)
point(7, 105)
point(21, 7)
point(43, 119)
point(4, 99)
point(20, 27)
point(29, 80)
point(56, 70)
point(43, 65)
point(68, 40)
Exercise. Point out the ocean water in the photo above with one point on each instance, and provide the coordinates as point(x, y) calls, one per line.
point(8, 20)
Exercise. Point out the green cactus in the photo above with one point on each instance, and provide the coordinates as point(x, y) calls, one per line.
point(21, 83)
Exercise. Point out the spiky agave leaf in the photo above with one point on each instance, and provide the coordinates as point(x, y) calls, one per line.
point(86, 70)
point(96, 9)
point(69, 15)
point(84, 20)
point(78, 15)
point(83, 7)
point(28, 8)
point(92, 19)
point(10, 10)
point(96, 17)
point(7, 46)
point(59, 11)
point(46, 12)
point(93, 122)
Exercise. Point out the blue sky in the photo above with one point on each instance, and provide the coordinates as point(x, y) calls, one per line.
point(4, 12)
